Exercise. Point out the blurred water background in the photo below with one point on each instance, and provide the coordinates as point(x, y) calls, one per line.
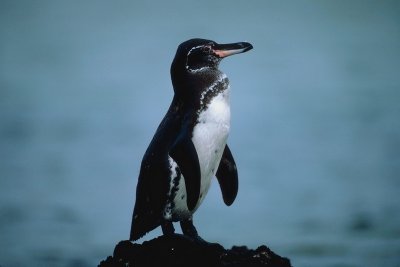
point(315, 125)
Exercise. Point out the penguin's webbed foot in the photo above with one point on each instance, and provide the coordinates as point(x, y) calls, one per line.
point(190, 231)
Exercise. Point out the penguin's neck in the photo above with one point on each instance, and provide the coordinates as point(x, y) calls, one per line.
point(217, 86)
point(196, 96)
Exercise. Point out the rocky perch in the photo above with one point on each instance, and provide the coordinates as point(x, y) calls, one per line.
point(178, 250)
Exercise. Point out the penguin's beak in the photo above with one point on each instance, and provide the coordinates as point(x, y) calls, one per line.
point(225, 50)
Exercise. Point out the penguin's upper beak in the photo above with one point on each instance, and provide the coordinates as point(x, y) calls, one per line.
point(225, 50)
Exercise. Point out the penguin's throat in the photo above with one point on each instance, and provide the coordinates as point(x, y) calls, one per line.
point(217, 87)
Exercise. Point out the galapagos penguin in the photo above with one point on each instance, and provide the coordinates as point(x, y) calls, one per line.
point(189, 146)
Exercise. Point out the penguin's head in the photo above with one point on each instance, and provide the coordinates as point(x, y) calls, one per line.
point(196, 56)
point(199, 54)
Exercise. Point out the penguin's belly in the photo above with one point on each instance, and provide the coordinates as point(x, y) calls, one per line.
point(209, 138)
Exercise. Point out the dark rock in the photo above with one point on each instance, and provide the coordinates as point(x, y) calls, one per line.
point(178, 250)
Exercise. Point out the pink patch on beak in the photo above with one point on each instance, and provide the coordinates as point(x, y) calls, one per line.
point(225, 53)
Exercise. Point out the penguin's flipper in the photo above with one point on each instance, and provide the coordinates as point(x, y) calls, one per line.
point(227, 177)
point(185, 155)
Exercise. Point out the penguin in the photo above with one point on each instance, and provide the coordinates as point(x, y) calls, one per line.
point(190, 146)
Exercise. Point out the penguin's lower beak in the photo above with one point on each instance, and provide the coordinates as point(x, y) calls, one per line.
point(225, 50)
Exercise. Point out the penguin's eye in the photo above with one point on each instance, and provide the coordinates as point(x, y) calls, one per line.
point(207, 49)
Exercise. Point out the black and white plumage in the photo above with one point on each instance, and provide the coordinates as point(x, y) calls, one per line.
point(189, 146)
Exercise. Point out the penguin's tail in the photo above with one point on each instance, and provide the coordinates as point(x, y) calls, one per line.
point(141, 225)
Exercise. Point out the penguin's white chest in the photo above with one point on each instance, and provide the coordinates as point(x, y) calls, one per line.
point(209, 138)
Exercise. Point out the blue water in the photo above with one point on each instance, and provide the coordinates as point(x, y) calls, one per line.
point(315, 125)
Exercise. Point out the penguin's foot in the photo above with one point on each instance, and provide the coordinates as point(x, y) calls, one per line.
point(190, 232)
point(188, 228)
point(167, 228)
